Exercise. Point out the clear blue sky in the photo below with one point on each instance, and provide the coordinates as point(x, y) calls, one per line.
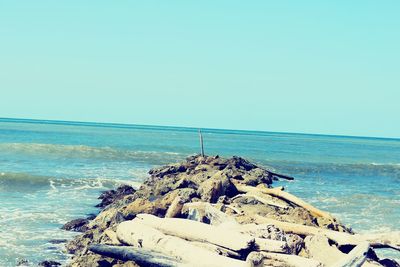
point(328, 67)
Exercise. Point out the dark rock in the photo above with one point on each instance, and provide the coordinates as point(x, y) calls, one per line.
point(77, 225)
point(22, 262)
point(167, 170)
point(257, 176)
point(111, 196)
point(389, 263)
point(49, 264)
point(295, 243)
point(372, 255)
point(241, 163)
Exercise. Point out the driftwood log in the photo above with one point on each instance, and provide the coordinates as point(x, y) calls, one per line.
point(384, 240)
point(197, 231)
point(259, 259)
point(356, 257)
point(218, 250)
point(279, 193)
point(263, 198)
point(217, 235)
point(141, 256)
point(137, 234)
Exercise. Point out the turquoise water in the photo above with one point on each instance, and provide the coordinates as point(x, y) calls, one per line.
point(52, 172)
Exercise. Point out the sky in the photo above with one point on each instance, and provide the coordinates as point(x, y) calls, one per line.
point(329, 67)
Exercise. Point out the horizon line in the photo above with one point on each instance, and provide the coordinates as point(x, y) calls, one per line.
point(126, 125)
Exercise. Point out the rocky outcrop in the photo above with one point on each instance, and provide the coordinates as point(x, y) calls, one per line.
point(213, 190)
point(76, 225)
point(111, 196)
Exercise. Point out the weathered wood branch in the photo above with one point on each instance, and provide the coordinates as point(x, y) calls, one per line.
point(197, 231)
point(217, 249)
point(141, 256)
point(280, 175)
point(221, 236)
point(260, 259)
point(137, 234)
point(260, 198)
point(355, 258)
point(277, 192)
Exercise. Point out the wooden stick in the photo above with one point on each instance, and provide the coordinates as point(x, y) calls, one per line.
point(383, 240)
point(217, 249)
point(196, 231)
point(141, 256)
point(281, 175)
point(137, 234)
point(290, 260)
point(277, 192)
point(201, 143)
point(356, 257)
point(265, 201)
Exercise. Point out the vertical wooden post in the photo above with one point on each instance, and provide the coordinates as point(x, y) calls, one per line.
point(201, 143)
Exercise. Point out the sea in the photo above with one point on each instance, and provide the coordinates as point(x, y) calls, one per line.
point(53, 171)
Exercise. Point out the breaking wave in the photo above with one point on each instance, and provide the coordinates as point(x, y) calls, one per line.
point(368, 169)
point(82, 151)
point(25, 181)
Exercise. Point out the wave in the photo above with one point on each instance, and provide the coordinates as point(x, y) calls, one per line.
point(355, 169)
point(30, 182)
point(83, 151)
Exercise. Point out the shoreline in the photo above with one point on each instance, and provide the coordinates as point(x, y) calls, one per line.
point(227, 186)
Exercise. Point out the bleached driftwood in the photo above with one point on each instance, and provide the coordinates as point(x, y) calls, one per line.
point(137, 234)
point(198, 211)
point(355, 258)
point(318, 248)
point(385, 240)
point(278, 192)
point(141, 256)
point(276, 259)
point(197, 231)
point(217, 235)
point(260, 197)
point(217, 249)
point(175, 208)
point(291, 260)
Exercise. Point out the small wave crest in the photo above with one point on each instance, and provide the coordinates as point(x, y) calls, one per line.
point(30, 182)
point(82, 151)
point(368, 169)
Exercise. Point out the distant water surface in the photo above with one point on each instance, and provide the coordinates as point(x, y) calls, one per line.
point(52, 172)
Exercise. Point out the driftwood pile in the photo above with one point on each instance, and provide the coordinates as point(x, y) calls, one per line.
point(210, 211)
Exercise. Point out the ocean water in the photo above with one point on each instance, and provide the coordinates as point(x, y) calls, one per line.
point(52, 172)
